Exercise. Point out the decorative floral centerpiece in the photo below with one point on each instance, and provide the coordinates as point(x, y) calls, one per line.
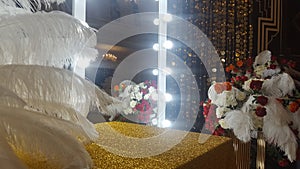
point(260, 97)
point(141, 99)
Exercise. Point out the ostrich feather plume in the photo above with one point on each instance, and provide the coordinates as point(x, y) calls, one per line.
point(51, 90)
point(37, 134)
point(58, 40)
point(241, 124)
point(279, 86)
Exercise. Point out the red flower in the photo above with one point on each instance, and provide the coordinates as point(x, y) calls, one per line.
point(293, 107)
point(272, 66)
point(244, 78)
point(256, 85)
point(227, 86)
point(273, 58)
point(262, 100)
point(219, 131)
point(283, 162)
point(292, 64)
point(283, 61)
point(260, 111)
point(139, 107)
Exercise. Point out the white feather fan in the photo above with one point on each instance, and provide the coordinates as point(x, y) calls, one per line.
point(38, 134)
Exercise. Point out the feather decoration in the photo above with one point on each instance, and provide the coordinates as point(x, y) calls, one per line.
point(276, 128)
point(241, 124)
point(262, 58)
point(46, 87)
point(8, 158)
point(9, 98)
point(212, 94)
point(59, 40)
point(29, 5)
point(282, 136)
point(279, 86)
point(37, 134)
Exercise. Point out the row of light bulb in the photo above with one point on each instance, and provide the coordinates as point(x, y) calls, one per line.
point(167, 45)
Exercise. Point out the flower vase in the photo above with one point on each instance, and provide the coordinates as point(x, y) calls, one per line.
point(261, 151)
point(242, 153)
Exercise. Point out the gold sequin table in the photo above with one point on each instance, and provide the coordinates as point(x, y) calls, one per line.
point(194, 150)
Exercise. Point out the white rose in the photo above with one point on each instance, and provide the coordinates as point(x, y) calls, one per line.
point(230, 99)
point(146, 97)
point(139, 96)
point(259, 70)
point(133, 103)
point(142, 85)
point(136, 89)
point(154, 96)
point(128, 111)
point(246, 85)
point(220, 111)
point(223, 124)
point(151, 89)
point(240, 95)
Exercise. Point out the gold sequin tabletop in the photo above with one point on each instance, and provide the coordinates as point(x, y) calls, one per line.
point(149, 148)
point(131, 146)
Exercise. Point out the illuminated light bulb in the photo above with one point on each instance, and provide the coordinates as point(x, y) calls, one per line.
point(155, 72)
point(168, 18)
point(156, 47)
point(166, 124)
point(168, 44)
point(156, 21)
point(168, 97)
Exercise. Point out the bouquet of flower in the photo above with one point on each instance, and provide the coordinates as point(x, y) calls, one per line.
point(141, 100)
point(261, 99)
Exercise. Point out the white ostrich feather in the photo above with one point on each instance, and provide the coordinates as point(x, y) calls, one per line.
point(276, 128)
point(241, 124)
point(279, 86)
point(262, 58)
point(8, 158)
point(9, 98)
point(38, 134)
point(212, 94)
point(277, 113)
point(282, 136)
point(44, 88)
point(28, 5)
point(270, 72)
point(58, 40)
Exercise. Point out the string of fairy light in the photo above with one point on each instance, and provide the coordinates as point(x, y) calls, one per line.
point(227, 23)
